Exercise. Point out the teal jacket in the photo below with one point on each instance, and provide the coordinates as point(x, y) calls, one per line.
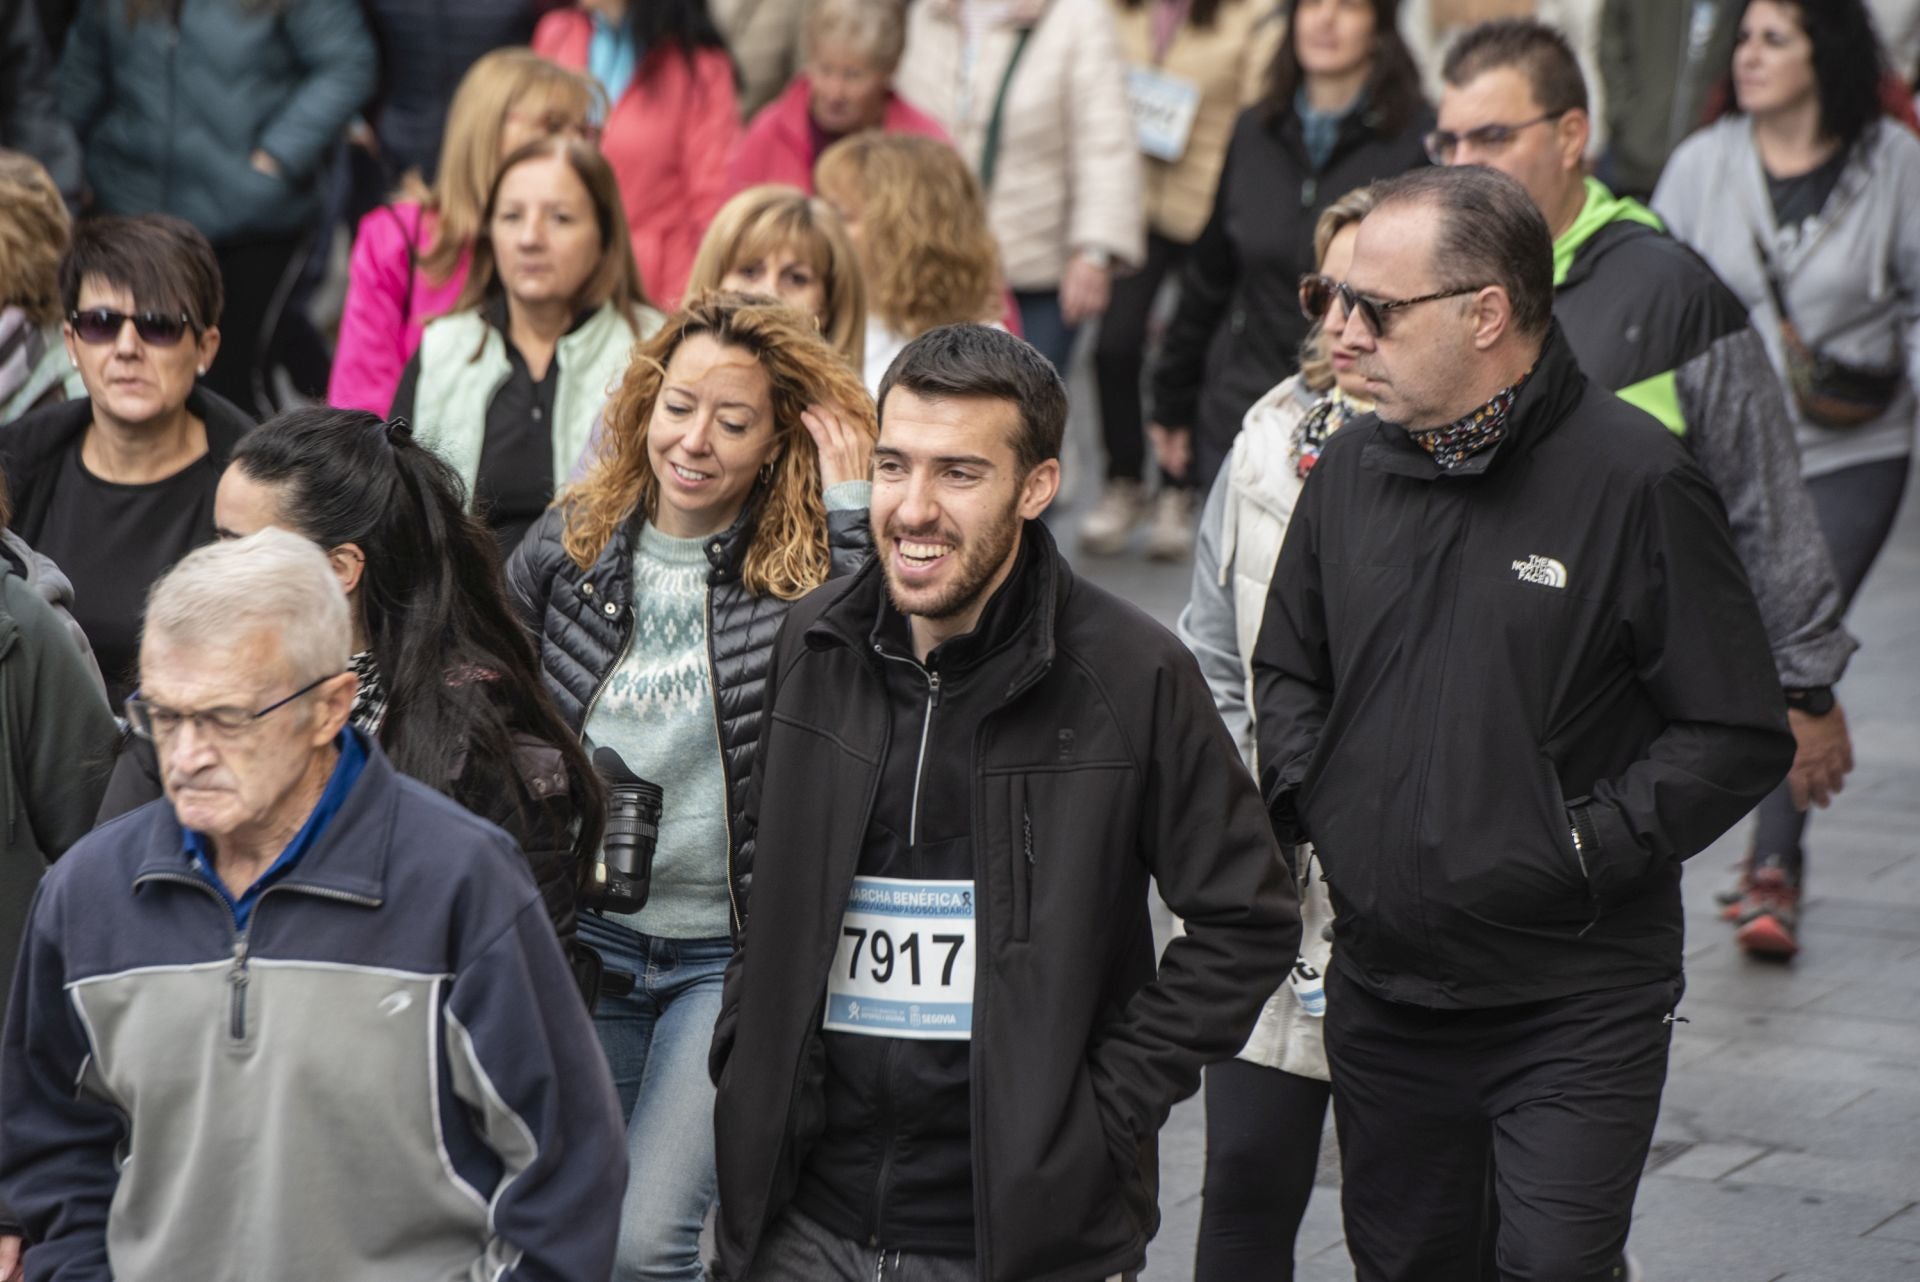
point(170, 112)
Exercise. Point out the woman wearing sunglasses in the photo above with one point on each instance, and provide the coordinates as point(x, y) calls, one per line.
point(119, 485)
point(410, 256)
point(1267, 1107)
point(448, 684)
point(1342, 109)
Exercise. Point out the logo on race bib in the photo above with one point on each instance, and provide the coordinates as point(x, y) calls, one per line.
point(1543, 570)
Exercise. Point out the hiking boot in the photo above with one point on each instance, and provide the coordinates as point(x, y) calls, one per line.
point(1108, 527)
point(1768, 917)
point(1170, 527)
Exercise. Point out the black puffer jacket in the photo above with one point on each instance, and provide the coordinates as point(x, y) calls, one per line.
point(582, 621)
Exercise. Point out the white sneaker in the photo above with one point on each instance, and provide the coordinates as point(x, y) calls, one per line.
point(1110, 524)
point(1170, 528)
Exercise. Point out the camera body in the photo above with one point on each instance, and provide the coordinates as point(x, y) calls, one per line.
point(623, 878)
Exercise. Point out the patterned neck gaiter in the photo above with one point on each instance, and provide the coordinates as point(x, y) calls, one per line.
point(1329, 415)
point(370, 700)
point(1460, 440)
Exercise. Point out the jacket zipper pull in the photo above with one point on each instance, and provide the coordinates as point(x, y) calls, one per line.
point(933, 689)
point(237, 979)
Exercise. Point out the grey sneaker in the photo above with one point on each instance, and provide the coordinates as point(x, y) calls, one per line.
point(1108, 527)
point(1170, 527)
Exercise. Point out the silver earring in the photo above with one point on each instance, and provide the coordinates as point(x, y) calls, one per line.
point(203, 371)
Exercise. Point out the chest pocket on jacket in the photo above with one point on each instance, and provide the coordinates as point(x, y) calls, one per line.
point(1058, 838)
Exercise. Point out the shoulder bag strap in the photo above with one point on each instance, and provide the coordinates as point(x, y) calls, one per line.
point(990, 149)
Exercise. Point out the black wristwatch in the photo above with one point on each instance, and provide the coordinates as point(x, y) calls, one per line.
point(1815, 701)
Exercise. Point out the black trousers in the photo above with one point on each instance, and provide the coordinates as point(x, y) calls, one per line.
point(1119, 360)
point(263, 326)
point(1514, 1135)
point(1263, 1147)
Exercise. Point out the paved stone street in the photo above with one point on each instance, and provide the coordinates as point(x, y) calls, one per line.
point(1789, 1141)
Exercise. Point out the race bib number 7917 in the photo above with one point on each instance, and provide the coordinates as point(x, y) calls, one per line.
point(904, 967)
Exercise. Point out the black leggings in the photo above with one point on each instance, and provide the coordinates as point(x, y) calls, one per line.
point(1263, 1146)
point(1856, 507)
point(1120, 355)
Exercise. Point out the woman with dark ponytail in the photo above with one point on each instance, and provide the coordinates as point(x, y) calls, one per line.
point(448, 682)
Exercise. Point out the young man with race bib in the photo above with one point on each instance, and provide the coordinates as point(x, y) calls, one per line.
point(944, 1049)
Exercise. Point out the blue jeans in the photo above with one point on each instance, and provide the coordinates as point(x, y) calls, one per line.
point(656, 1039)
point(1046, 328)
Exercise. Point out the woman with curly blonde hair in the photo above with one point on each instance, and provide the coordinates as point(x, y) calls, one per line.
point(920, 224)
point(731, 479)
point(779, 242)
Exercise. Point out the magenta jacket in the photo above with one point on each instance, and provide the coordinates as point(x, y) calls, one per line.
point(778, 147)
point(389, 301)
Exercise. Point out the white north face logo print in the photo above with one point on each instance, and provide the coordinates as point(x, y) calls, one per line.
point(1544, 570)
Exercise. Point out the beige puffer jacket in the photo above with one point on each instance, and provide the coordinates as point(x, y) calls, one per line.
point(1228, 61)
point(1068, 175)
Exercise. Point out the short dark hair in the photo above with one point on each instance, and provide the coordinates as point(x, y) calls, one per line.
point(1491, 233)
point(163, 261)
point(1394, 98)
point(1535, 50)
point(979, 360)
point(1848, 61)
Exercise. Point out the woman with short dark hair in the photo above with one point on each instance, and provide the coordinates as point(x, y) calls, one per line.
point(1802, 197)
point(119, 485)
point(1342, 108)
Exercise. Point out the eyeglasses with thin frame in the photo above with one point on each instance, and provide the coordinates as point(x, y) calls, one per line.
point(103, 324)
point(1443, 144)
point(1318, 294)
point(155, 723)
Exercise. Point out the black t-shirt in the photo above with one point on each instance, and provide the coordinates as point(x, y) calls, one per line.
point(515, 481)
point(1801, 197)
point(113, 541)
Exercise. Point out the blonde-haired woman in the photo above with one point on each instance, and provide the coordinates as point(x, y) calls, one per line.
point(1267, 1107)
point(920, 224)
point(778, 242)
point(508, 386)
point(34, 370)
point(410, 256)
point(730, 481)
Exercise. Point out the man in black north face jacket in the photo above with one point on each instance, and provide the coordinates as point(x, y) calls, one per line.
point(944, 1048)
point(1510, 676)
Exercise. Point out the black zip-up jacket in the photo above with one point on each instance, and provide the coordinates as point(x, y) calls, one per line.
point(1457, 668)
point(894, 1164)
point(581, 621)
point(1101, 764)
point(1237, 330)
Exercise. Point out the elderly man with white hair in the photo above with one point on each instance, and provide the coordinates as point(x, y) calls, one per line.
point(304, 1018)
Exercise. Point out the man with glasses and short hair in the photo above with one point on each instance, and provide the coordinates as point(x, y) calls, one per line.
point(304, 1018)
point(1648, 319)
point(117, 486)
point(1510, 675)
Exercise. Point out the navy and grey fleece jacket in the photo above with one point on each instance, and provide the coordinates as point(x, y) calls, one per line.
point(389, 1075)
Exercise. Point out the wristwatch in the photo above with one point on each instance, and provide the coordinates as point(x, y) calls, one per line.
point(1815, 701)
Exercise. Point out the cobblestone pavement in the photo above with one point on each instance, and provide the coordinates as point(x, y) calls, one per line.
point(1789, 1141)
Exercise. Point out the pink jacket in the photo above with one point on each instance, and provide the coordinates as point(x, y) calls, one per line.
point(778, 146)
point(664, 139)
point(381, 322)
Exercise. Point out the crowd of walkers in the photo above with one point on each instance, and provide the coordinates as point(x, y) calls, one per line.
point(633, 637)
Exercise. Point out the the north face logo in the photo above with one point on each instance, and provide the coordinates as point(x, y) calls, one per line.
point(1544, 570)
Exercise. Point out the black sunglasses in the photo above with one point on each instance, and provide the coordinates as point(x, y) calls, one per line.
point(1317, 295)
point(102, 325)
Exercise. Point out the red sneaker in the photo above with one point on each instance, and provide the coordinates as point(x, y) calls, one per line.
point(1768, 916)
